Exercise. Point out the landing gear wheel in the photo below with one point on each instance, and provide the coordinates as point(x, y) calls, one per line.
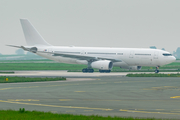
point(156, 71)
point(85, 70)
point(90, 70)
point(108, 71)
point(100, 71)
point(104, 71)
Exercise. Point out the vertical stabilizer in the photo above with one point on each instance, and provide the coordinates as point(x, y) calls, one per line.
point(32, 36)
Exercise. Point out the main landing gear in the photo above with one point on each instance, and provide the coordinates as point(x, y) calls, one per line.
point(104, 71)
point(87, 70)
point(157, 71)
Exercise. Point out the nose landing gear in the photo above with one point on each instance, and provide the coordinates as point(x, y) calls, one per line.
point(157, 71)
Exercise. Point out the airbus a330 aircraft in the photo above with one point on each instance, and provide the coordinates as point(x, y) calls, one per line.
point(94, 57)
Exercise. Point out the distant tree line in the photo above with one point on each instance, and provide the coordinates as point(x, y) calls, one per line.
point(21, 52)
point(177, 53)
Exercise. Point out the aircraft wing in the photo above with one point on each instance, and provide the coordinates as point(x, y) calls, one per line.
point(75, 56)
point(81, 56)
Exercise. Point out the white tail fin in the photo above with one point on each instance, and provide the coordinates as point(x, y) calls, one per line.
point(32, 36)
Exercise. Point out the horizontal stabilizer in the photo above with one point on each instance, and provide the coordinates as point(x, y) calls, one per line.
point(22, 47)
point(14, 46)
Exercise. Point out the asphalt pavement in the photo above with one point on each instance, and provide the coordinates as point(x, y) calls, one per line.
point(102, 95)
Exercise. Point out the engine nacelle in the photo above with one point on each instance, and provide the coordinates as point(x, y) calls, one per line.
point(132, 67)
point(102, 65)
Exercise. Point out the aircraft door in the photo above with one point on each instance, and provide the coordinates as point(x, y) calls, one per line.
point(50, 50)
point(131, 54)
point(155, 60)
point(156, 55)
point(83, 52)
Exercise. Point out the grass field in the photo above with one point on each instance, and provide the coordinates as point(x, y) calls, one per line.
point(50, 65)
point(40, 66)
point(7, 72)
point(153, 75)
point(27, 79)
point(35, 115)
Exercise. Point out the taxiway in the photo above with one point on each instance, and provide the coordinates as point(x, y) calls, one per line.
point(104, 95)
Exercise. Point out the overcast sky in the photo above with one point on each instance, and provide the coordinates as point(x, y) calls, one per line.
point(93, 23)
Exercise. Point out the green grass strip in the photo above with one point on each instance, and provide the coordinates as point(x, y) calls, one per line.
point(35, 115)
point(27, 79)
point(6, 72)
point(153, 75)
point(50, 65)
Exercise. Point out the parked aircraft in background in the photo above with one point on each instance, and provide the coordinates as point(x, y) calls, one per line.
point(94, 57)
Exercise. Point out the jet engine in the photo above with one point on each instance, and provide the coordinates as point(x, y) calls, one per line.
point(102, 64)
point(132, 67)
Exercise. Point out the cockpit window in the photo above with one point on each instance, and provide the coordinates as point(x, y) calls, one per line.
point(166, 54)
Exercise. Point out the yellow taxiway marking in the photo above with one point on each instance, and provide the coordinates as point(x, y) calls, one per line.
point(162, 88)
point(51, 86)
point(175, 97)
point(5, 88)
point(134, 111)
point(44, 105)
point(36, 86)
point(159, 109)
point(18, 87)
point(98, 83)
point(22, 100)
point(65, 99)
point(117, 82)
point(169, 86)
point(99, 100)
point(79, 91)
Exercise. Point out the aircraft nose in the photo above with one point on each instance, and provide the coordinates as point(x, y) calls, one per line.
point(170, 60)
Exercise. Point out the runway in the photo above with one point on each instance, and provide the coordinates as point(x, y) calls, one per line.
point(64, 73)
point(103, 95)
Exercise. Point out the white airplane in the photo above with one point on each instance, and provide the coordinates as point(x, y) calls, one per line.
point(94, 57)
